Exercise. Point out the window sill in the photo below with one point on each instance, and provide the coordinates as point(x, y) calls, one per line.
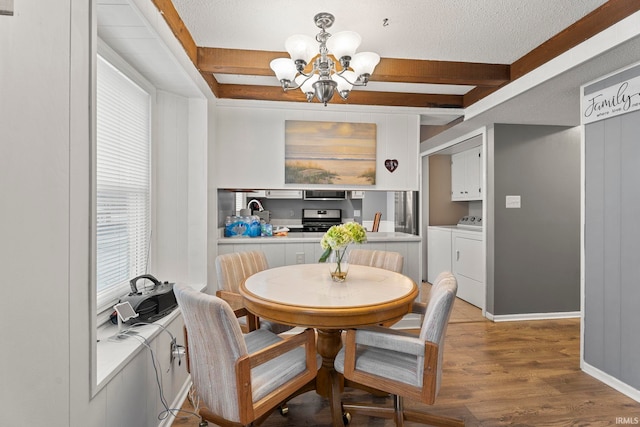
point(112, 354)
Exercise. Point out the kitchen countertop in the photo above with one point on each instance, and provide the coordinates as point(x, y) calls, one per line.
point(297, 237)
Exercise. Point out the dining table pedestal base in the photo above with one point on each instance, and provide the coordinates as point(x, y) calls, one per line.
point(329, 382)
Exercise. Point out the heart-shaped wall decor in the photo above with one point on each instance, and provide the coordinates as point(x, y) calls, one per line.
point(391, 164)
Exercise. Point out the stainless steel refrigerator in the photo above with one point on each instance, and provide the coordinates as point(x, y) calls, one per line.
point(406, 212)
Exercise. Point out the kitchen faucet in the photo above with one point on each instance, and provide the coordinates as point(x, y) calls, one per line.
point(260, 208)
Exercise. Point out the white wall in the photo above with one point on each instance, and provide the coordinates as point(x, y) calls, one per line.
point(250, 143)
point(39, 140)
point(45, 240)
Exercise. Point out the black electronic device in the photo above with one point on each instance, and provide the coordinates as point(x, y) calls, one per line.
point(150, 304)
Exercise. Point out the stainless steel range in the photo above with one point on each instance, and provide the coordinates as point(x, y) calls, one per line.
point(320, 219)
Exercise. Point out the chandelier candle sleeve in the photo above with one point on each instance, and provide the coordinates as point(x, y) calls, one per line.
point(326, 76)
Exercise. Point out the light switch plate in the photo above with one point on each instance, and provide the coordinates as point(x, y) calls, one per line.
point(512, 202)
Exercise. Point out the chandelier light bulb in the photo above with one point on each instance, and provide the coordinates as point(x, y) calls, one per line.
point(345, 80)
point(364, 63)
point(284, 68)
point(344, 44)
point(301, 47)
point(307, 86)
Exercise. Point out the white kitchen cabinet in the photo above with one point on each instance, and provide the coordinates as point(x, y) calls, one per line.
point(297, 248)
point(466, 175)
point(460, 252)
point(468, 266)
point(284, 194)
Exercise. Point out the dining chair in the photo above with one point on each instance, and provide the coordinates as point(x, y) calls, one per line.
point(374, 258)
point(376, 221)
point(231, 270)
point(240, 379)
point(402, 364)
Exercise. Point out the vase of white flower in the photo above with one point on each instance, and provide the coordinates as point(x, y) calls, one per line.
point(335, 242)
point(338, 262)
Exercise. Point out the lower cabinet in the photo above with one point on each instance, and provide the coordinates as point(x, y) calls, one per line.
point(439, 252)
point(461, 252)
point(290, 252)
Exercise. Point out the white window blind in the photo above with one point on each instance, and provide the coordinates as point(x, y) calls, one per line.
point(123, 156)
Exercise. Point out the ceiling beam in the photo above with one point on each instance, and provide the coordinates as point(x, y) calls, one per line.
point(180, 31)
point(256, 63)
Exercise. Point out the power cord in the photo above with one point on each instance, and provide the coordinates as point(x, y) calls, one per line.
point(158, 368)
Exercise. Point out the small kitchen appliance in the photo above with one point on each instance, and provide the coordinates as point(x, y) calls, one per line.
point(320, 219)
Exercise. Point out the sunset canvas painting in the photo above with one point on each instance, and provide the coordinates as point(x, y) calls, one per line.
point(330, 153)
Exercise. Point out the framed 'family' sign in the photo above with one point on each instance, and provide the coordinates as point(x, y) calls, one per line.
point(335, 153)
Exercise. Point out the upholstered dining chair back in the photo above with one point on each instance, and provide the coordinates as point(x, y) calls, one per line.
point(233, 387)
point(373, 258)
point(215, 344)
point(233, 268)
point(437, 315)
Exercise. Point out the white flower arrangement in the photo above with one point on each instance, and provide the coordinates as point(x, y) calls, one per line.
point(338, 237)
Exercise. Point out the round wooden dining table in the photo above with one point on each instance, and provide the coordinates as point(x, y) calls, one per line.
point(305, 295)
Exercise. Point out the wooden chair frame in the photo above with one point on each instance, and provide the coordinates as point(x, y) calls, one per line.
point(256, 413)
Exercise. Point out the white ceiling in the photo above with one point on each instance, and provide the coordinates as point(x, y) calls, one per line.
point(487, 31)
point(460, 30)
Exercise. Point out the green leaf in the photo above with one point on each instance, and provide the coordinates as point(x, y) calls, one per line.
point(325, 255)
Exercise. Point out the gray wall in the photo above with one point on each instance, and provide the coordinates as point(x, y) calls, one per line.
point(612, 246)
point(536, 249)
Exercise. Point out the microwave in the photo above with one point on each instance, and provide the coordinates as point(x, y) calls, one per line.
point(325, 195)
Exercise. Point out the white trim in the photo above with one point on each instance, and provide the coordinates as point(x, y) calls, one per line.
point(611, 381)
point(481, 131)
point(533, 316)
point(381, 109)
point(583, 225)
point(177, 403)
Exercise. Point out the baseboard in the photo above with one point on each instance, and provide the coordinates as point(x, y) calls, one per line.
point(612, 382)
point(532, 316)
point(177, 403)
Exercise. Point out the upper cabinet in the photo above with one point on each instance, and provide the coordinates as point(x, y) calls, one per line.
point(249, 147)
point(466, 175)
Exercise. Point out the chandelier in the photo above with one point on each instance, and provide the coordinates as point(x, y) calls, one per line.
point(325, 77)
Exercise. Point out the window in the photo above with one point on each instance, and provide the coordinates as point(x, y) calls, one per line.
point(123, 183)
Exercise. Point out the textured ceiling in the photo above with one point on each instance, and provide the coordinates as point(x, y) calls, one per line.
point(488, 31)
point(418, 33)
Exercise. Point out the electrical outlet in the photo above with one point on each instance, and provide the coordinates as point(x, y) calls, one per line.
point(299, 257)
point(177, 352)
point(356, 212)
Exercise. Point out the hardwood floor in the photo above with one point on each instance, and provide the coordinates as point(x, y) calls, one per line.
point(495, 374)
